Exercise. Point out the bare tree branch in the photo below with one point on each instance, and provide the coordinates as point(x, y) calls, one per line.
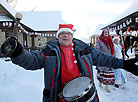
point(12, 2)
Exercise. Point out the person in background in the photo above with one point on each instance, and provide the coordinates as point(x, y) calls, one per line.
point(120, 74)
point(105, 75)
point(135, 45)
point(63, 59)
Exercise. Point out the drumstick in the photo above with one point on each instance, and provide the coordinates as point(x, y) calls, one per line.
point(18, 17)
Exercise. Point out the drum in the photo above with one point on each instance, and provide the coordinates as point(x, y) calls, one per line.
point(80, 89)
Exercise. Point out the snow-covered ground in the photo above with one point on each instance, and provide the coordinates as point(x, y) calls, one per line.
point(19, 85)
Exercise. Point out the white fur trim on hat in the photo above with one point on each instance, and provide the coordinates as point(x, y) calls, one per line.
point(116, 38)
point(64, 29)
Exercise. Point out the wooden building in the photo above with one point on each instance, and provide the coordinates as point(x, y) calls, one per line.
point(127, 19)
point(35, 28)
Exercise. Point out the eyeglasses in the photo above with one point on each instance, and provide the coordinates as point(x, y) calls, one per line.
point(65, 33)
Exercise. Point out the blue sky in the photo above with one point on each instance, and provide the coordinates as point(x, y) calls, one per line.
point(84, 14)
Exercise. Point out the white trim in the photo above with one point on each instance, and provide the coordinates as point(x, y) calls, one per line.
point(102, 77)
point(116, 38)
point(64, 29)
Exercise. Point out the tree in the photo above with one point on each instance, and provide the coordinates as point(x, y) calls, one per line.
point(12, 2)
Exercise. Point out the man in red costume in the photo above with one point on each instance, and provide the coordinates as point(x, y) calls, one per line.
point(63, 59)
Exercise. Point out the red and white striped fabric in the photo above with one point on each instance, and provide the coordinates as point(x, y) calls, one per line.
point(106, 77)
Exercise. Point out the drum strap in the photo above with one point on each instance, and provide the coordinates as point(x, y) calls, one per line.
point(92, 97)
point(60, 82)
point(46, 93)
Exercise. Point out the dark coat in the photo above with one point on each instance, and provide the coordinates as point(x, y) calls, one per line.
point(36, 60)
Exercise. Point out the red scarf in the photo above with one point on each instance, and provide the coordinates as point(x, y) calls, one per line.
point(107, 40)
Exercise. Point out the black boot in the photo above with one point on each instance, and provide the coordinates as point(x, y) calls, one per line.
point(117, 86)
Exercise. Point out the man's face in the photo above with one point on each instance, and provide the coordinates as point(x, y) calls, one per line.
point(65, 38)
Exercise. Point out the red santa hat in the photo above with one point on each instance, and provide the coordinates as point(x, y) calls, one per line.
point(65, 27)
point(116, 37)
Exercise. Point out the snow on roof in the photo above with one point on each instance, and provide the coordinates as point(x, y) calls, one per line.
point(98, 31)
point(5, 18)
point(132, 9)
point(42, 20)
point(36, 20)
point(7, 7)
